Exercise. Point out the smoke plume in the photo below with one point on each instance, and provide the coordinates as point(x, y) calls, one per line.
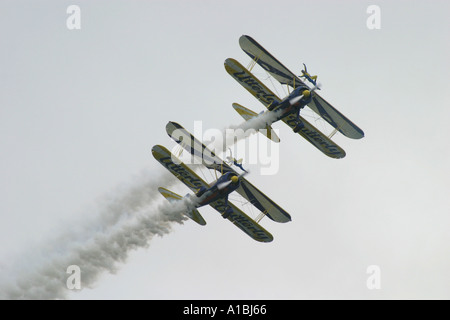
point(235, 133)
point(127, 220)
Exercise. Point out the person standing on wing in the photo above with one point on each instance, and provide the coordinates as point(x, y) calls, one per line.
point(307, 76)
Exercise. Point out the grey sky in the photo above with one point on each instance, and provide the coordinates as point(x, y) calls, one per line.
point(81, 109)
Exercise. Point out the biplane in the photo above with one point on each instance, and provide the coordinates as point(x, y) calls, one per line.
point(288, 109)
point(216, 193)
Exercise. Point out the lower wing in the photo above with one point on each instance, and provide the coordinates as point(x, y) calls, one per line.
point(315, 137)
point(242, 221)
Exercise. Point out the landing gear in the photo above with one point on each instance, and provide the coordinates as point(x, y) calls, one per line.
point(299, 125)
point(227, 213)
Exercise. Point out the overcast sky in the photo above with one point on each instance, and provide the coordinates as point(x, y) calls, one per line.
point(81, 109)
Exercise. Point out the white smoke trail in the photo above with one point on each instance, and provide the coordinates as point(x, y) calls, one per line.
point(259, 122)
point(235, 133)
point(127, 221)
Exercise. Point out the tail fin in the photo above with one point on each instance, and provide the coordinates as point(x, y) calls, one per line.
point(248, 114)
point(193, 214)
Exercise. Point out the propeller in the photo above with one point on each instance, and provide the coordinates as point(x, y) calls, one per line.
point(234, 179)
point(306, 93)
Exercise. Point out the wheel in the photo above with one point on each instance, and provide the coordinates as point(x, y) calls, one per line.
point(298, 127)
point(227, 213)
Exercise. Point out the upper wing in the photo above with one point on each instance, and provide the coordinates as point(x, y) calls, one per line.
point(178, 168)
point(243, 222)
point(262, 202)
point(250, 82)
point(285, 76)
point(196, 148)
point(268, 62)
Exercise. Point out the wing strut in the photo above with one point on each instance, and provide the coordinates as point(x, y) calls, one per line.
point(333, 133)
point(260, 216)
point(252, 63)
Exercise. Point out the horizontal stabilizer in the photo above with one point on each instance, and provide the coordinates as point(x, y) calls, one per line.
point(172, 197)
point(248, 114)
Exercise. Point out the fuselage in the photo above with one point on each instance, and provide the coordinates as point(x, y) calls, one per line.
point(220, 189)
point(285, 107)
